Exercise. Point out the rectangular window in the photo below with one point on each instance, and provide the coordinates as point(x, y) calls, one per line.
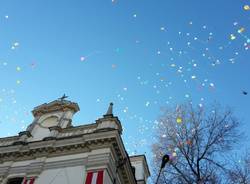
point(15, 181)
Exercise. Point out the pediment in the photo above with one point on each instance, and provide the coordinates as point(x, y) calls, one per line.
point(57, 105)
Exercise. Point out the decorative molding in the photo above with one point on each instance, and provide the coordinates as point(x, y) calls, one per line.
point(36, 168)
point(68, 146)
point(25, 133)
point(56, 105)
point(50, 145)
point(70, 141)
point(7, 141)
point(111, 122)
point(57, 128)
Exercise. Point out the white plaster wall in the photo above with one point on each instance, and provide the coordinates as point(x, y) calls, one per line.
point(107, 124)
point(139, 170)
point(67, 157)
point(39, 133)
point(67, 175)
point(21, 163)
point(107, 179)
point(68, 115)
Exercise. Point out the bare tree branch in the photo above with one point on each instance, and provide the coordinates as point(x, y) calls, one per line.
point(197, 139)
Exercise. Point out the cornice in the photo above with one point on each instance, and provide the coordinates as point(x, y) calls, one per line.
point(57, 146)
point(126, 168)
point(57, 105)
point(37, 167)
point(110, 118)
point(6, 141)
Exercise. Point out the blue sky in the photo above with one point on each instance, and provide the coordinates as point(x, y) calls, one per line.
point(141, 55)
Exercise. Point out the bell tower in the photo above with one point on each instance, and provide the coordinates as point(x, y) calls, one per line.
point(50, 118)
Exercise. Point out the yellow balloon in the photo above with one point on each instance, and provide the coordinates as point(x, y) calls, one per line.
point(179, 120)
point(241, 30)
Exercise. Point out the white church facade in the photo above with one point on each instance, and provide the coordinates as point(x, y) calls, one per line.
point(52, 151)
